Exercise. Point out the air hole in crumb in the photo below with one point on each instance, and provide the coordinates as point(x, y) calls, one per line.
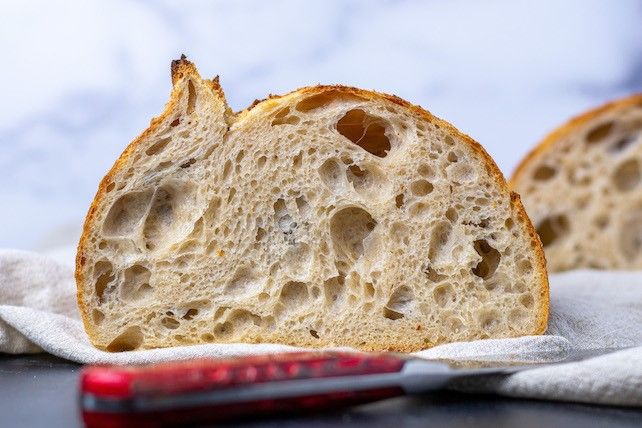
point(426, 171)
point(418, 209)
point(243, 319)
point(226, 170)
point(369, 290)
point(630, 234)
point(421, 187)
point(211, 213)
point(399, 303)
point(451, 214)
point(331, 174)
point(281, 116)
point(552, 228)
point(489, 320)
point(126, 213)
point(526, 300)
point(369, 180)
point(454, 324)
point(509, 223)
point(439, 238)
point(452, 157)
point(315, 291)
point(175, 122)
point(189, 163)
point(103, 272)
point(525, 266)
point(349, 228)
point(128, 340)
point(399, 200)
point(432, 274)
point(160, 221)
point(599, 133)
point(163, 165)
point(347, 160)
point(302, 205)
point(444, 295)
point(368, 132)
point(170, 323)
point(623, 143)
point(190, 314)
point(517, 316)
point(297, 160)
point(282, 113)
point(191, 97)
point(356, 171)
point(261, 161)
point(224, 330)
point(231, 194)
point(334, 291)
point(244, 281)
point(157, 147)
point(490, 259)
point(135, 285)
point(314, 334)
point(602, 221)
point(320, 100)
point(97, 316)
point(627, 175)
point(102, 245)
point(392, 314)
point(544, 172)
point(110, 187)
point(288, 120)
point(490, 285)
point(294, 295)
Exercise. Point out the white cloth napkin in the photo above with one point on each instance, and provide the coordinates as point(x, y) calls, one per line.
point(589, 310)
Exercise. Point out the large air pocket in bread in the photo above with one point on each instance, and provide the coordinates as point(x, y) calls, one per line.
point(327, 216)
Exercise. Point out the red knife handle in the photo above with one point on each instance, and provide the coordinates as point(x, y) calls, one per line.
point(213, 390)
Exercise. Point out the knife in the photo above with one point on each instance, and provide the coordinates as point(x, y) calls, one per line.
point(214, 390)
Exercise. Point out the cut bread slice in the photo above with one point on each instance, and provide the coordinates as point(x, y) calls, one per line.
point(327, 216)
point(582, 188)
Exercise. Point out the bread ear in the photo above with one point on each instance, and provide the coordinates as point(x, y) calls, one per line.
point(194, 103)
point(189, 88)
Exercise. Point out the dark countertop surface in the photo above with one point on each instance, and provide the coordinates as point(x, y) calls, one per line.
point(40, 390)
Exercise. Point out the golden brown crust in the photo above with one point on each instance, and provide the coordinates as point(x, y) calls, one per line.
point(182, 68)
point(541, 263)
point(570, 128)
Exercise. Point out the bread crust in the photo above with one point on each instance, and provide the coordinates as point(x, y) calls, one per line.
point(182, 69)
point(569, 128)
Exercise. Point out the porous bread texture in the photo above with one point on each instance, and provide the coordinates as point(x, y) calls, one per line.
point(329, 216)
point(582, 189)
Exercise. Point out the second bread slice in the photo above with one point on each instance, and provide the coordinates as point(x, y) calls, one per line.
point(582, 186)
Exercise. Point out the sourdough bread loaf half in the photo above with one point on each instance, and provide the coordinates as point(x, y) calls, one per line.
point(327, 216)
point(582, 188)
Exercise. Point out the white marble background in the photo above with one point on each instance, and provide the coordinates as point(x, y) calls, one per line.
point(82, 78)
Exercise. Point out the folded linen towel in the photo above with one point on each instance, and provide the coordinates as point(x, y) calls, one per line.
point(589, 310)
